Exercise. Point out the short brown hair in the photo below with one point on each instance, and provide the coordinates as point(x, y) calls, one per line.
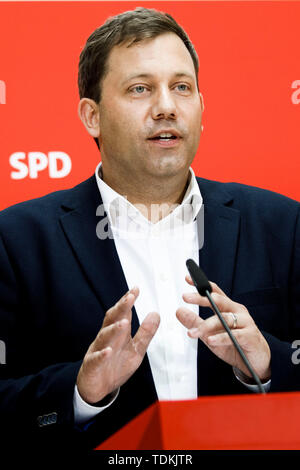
point(131, 26)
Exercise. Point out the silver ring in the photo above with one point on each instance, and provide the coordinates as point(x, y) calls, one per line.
point(234, 317)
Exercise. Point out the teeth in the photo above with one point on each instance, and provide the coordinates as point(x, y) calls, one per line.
point(166, 135)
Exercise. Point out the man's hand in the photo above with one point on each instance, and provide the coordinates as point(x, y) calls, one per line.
point(114, 355)
point(212, 333)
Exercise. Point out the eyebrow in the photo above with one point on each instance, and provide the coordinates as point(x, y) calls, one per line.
point(150, 75)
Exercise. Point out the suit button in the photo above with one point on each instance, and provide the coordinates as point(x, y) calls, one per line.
point(45, 420)
point(48, 420)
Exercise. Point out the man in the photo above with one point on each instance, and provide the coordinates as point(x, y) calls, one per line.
point(95, 322)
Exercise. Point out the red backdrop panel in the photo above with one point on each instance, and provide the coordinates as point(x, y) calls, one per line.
point(249, 76)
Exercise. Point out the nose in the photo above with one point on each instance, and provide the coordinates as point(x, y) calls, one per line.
point(164, 106)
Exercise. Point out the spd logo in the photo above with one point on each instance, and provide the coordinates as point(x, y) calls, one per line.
point(58, 163)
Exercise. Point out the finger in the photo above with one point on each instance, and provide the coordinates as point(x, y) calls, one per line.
point(189, 280)
point(214, 286)
point(212, 325)
point(122, 309)
point(145, 333)
point(93, 361)
point(96, 358)
point(223, 339)
point(223, 302)
point(113, 336)
point(188, 318)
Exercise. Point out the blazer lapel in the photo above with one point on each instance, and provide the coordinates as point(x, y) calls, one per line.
point(97, 257)
point(221, 230)
point(217, 258)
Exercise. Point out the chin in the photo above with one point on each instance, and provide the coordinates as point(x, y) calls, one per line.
point(169, 168)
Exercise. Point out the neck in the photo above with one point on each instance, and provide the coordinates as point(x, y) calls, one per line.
point(155, 199)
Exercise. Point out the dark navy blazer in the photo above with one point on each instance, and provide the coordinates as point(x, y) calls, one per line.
point(57, 280)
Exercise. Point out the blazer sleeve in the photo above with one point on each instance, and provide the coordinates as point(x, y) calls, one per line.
point(285, 368)
point(36, 406)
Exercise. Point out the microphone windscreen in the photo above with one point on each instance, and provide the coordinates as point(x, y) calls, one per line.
point(199, 279)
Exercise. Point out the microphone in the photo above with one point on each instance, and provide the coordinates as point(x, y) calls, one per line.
point(204, 288)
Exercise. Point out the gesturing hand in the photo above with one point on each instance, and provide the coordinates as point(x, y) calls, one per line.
point(114, 355)
point(212, 333)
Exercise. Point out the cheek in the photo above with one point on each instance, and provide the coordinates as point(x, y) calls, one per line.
point(193, 118)
point(112, 130)
point(196, 115)
point(196, 126)
point(120, 124)
point(190, 113)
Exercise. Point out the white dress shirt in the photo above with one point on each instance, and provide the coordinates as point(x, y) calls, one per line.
point(153, 258)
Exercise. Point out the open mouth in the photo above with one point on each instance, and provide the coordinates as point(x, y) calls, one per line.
point(164, 137)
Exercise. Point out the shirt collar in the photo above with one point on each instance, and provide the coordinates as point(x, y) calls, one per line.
point(117, 206)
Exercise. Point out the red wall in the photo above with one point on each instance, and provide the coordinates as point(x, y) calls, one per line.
point(249, 76)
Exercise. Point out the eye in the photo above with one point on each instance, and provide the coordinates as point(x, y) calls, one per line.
point(183, 87)
point(138, 89)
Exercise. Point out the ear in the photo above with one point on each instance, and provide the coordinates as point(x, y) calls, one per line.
point(88, 111)
point(202, 108)
point(201, 101)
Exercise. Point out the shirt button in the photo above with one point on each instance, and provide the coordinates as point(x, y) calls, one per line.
point(180, 377)
point(163, 277)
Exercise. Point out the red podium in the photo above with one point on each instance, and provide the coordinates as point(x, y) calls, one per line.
point(270, 421)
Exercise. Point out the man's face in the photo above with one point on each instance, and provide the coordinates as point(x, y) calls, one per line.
point(150, 109)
